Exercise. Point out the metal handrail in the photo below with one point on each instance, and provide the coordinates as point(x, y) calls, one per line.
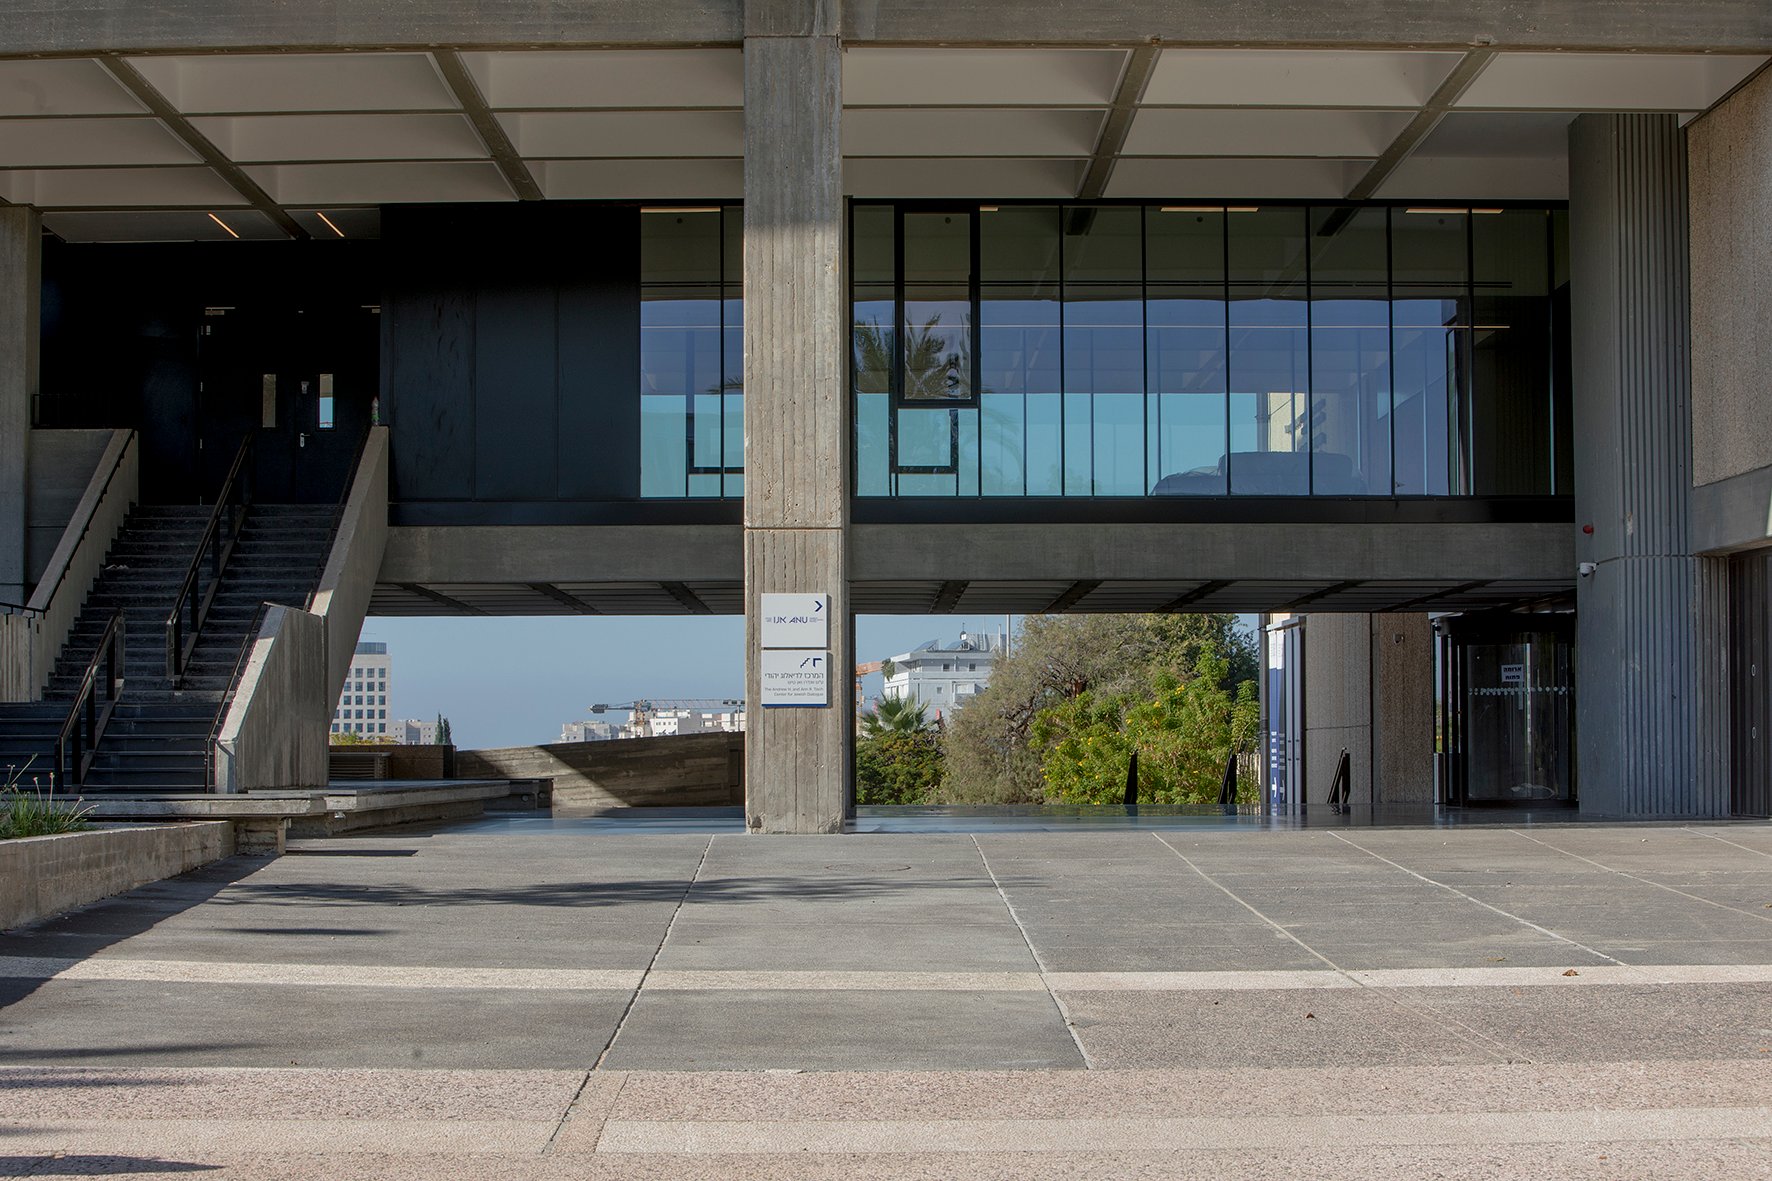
point(191, 606)
point(87, 718)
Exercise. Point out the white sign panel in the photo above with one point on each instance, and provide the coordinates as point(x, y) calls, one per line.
point(1513, 674)
point(796, 621)
point(796, 677)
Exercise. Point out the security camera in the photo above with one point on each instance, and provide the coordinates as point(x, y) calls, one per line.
point(1586, 569)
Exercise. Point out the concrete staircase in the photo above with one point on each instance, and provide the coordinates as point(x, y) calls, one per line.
point(158, 737)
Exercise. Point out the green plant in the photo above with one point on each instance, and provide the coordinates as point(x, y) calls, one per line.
point(34, 813)
point(896, 715)
point(900, 767)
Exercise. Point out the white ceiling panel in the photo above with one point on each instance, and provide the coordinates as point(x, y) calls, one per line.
point(259, 139)
point(965, 178)
point(1473, 178)
point(339, 223)
point(1169, 131)
point(640, 180)
point(52, 143)
point(981, 77)
point(1296, 78)
point(1607, 81)
point(381, 183)
point(118, 188)
point(626, 133)
point(161, 226)
point(245, 83)
point(1536, 135)
point(969, 132)
point(611, 78)
point(1233, 179)
point(62, 88)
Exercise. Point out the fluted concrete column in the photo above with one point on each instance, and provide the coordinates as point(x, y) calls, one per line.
point(796, 509)
point(21, 297)
point(1646, 648)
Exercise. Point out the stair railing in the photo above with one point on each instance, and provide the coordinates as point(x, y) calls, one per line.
point(87, 718)
point(191, 607)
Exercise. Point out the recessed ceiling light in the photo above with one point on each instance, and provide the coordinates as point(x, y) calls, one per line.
point(224, 225)
point(679, 209)
point(329, 224)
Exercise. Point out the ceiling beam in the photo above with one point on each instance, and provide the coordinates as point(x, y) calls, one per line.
point(1439, 104)
point(1073, 594)
point(1323, 593)
point(576, 604)
point(1422, 600)
point(438, 597)
point(947, 598)
point(486, 125)
point(1181, 602)
point(1141, 63)
point(134, 81)
point(690, 600)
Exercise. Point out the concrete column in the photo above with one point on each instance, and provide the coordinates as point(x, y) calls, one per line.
point(796, 511)
point(1645, 635)
point(21, 298)
point(1369, 687)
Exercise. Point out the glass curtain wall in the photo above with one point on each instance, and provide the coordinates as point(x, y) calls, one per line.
point(1210, 350)
point(691, 353)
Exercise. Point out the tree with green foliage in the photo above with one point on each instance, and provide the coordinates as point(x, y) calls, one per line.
point(1183, 732)
point(444, 737)
point(992, 755)
point(896, 715)
point(897, 767)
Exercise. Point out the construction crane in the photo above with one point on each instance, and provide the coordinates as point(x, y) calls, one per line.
point(862, 670)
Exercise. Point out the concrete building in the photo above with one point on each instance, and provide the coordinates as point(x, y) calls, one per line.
point(943, 678)
point(1360, 312)
point(362, 707)
point(413, 732)
point(592, 731)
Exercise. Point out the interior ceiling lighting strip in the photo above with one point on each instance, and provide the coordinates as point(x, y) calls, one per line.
point(679, 209)
point(329, 224)
point(224, 225)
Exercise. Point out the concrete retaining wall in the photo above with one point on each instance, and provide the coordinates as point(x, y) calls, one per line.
point(346, 584)
point(690, 770)
point(41, 876)
point(62, 465)
point(275, 732)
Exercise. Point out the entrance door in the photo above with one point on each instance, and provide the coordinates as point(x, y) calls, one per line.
point(1510, 730)
point(302, 381)
point(1750, 685)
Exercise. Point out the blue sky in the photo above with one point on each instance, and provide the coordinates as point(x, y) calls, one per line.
point(513, 681)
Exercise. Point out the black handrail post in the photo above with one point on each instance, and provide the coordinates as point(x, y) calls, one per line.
point(220, 533)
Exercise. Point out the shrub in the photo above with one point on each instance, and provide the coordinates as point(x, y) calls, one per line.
point(33, 813)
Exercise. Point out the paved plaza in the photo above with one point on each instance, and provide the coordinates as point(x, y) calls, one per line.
point(540, 998)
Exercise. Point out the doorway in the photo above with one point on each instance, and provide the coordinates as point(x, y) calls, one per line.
point(301, 380)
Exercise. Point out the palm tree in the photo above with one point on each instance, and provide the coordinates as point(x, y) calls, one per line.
point(896, 715)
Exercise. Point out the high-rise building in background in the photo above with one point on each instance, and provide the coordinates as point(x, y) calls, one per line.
point(362, 707)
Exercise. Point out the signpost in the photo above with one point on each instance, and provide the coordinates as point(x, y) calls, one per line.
point(795, 658)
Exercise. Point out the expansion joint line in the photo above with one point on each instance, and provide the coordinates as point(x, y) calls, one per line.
point(1699, 832)
point(1064, 1013)
point(656, 952)
point(1576, 943)
point(1644, 881)
point(1463, 1031)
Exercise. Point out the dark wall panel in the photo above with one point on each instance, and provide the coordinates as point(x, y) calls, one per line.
point(512, 354)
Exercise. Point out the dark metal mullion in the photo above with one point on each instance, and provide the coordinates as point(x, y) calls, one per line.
point(895, 374)
point(1468, 355)
point(1390, 329)
point(974, 296)
point(1310, 367)
point(1550, 351)
point(1064, 373)
point(1224, 236)
point(1144, 343)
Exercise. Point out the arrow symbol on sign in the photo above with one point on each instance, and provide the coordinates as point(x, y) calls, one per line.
point(818, 605)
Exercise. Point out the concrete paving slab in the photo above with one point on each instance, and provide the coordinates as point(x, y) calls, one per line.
point(886, 1030)
point(120, 1024)
point(845, 941)
point(1366, 1027)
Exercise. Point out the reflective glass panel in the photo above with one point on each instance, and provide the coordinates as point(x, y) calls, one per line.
point(1185, 351)
point(937, 307)
point(1104, 351)
point(682, 435)
point(1430, 315)
point(1350, 352)
point(873, 247)
point(1019, 348)
point(1269, 352)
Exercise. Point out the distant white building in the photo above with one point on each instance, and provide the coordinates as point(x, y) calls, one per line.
point(660, 722)
point(413, 732)
point(362, 707)
point(589, 731)
point(945, 678)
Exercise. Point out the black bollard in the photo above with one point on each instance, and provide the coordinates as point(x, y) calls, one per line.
point(1132, 781)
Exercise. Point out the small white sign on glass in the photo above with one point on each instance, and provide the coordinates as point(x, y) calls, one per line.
point(796, 677)
point(796, 621)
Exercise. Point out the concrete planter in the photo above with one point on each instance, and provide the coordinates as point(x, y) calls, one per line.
point(41, 876)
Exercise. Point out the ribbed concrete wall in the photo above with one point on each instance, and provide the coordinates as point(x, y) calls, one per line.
point(671, 771)
point(21, 263)
point(796, 391)
point(1641, 658)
